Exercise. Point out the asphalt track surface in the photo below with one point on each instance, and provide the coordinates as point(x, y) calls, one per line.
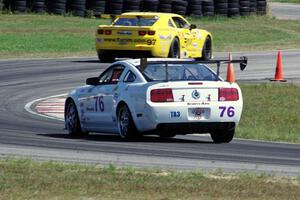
point(25, 134)
point(285, 10)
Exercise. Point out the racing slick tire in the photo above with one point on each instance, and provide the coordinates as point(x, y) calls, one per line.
point(126, 126)
point(72, 121)
point(174, 51)
point(222, 136)
point(207, 49)
point(106, 57)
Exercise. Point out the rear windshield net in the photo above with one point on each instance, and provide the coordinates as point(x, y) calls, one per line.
point(135, 21)
point(179, 72)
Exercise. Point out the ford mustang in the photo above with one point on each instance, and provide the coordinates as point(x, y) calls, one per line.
point(160, 96)
point(139, 34)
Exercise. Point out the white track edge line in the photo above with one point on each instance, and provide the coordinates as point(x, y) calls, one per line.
point(27, 107)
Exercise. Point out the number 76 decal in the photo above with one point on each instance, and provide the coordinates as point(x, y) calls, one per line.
point(228, 110)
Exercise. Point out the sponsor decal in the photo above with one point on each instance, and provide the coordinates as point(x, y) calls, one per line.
point(208, 97)
point(164, 37)
point(99, 40)
point(196, 94)
point(174, 114)
point(182, 98)
point(116, 96)
point(129, 40)
point(124, 33)
point(90, 109)
point(198, 104)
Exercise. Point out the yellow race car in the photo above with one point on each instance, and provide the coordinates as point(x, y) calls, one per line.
point(146, 34)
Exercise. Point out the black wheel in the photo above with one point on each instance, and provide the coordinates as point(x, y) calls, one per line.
point(207, 49)
point(126, 126)
point(174, 49)
point(106, 57)
point(72, 120)
point(222, 136)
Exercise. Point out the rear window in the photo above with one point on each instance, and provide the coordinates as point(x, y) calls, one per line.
point(179, 72)
point(138, 21)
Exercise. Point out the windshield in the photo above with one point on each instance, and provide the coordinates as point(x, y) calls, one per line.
point(179, 72)
point(138, 21)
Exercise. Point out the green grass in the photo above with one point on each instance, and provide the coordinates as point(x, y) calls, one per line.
point(271, 112)
point(56, 36)
point(25, 179)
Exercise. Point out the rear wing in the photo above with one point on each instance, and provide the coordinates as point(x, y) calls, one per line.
point(242, 61)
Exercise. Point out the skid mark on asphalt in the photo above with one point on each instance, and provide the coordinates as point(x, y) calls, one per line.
point(53, 107)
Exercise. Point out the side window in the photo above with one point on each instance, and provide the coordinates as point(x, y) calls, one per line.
point(180, 23)
point(130, 77)
point(112, 75)
point(170, 23)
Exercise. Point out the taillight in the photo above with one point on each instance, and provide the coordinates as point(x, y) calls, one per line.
point(228, 94)
point(151, 32)
point(142, 33)
point(100, 32)
point(162, 95)
point(107, 32)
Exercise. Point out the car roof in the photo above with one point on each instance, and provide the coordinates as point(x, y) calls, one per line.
point(150, 14)
point(137, 62)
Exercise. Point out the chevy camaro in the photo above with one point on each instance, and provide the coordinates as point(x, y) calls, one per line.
point(139, 34)
point(158, 96)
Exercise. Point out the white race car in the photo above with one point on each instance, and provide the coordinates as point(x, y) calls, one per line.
point(157, 96)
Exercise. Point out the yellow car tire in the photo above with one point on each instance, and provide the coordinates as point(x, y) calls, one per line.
point(174, 51)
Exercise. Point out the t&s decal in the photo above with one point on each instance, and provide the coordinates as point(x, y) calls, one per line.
point(174, 114)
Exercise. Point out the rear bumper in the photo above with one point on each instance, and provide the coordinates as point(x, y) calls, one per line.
point(177, 117)
point(194, 127)
point(128, 53)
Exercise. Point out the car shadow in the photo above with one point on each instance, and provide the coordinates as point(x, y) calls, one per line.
point(116, 138)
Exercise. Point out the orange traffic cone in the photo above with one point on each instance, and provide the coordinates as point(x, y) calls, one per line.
point(278, 73)
point(230, 72)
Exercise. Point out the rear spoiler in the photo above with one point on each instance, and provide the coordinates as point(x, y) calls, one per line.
point(243, 63)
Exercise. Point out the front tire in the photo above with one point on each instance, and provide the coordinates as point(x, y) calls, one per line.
point(174, 51)
point(126, 126)
point(222, 136)
point(72, 121)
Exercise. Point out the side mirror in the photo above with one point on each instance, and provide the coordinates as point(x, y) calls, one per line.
point(92, 81)
point(193, 26)
point(244, 62)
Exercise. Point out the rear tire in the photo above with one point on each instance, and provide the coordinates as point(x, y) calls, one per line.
point(222, 136)
point(207, 49)
point(126, 126)
point(72, 121)
point(174, 49)
point(105, 57)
